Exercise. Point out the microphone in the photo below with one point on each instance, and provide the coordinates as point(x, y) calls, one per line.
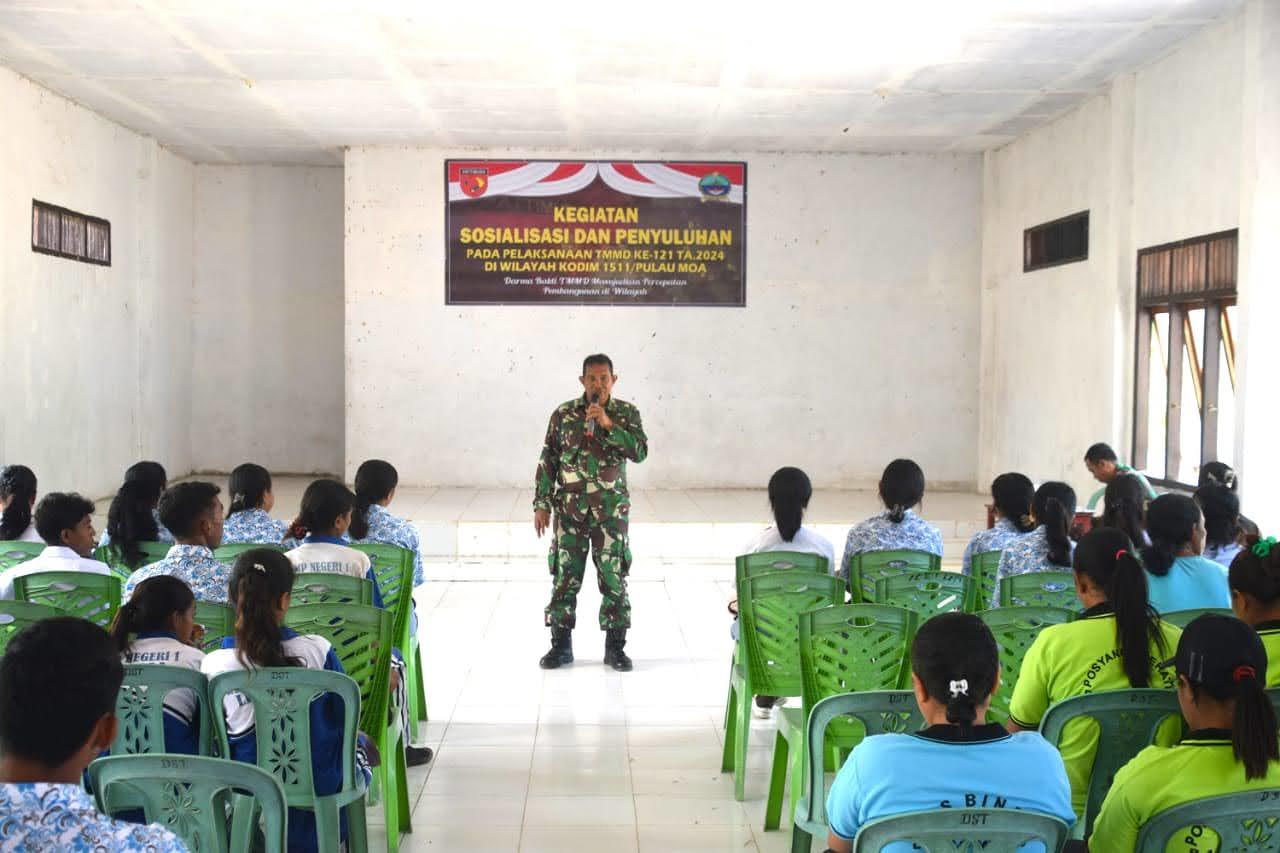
point(591, 425)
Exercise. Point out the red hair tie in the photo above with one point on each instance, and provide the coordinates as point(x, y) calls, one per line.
point(1121, 553)
point(1240, 673)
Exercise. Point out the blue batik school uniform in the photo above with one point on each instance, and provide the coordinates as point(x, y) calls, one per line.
point(43, 816)
point(181, 710)
point(1193, 583)
point(162, 532)
point(253, 526)
point(326, 714)
point(195, 566)
point(388, 529)
point(1027, 554)
point(881, 533)
point(996, 538)
point(892, 774)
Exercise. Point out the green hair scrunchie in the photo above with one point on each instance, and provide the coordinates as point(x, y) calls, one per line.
point(1264, 546)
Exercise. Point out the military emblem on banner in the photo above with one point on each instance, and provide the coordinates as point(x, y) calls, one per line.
point(714, 185)
point(473, 181)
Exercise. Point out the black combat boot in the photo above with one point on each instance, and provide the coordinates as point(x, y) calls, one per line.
point(561, 649)
point(614, 656)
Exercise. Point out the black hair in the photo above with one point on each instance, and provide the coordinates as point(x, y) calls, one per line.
point(1124, 504)
point(789, 494)
point(1100, 452)
point(1171, 522)
point(247, 487)
point(597, 358)
point(58, 678)
point(259, 577)
point(59, 511)
point(375, 480)
point(129, 518)
point(901, 487)
point(322, 503)
point(1221, 510)
point(18, 486)
point(183, 505)
point(1105, 556)
point(955, 647)
point(1217, 474)
point(1255, 575)
point(1054, 506)
point(1012, 494)
point(154, 601)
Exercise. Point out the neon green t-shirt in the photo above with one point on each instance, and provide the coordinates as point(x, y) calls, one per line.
point(1269, 632)
point(1073, 659)
point(1161, 777)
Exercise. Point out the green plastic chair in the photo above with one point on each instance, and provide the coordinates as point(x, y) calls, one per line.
point(878, 712)
point(151, 552)
point(768, 661)
point(281, 699)
point(1249, 820)
point(331, 588)
point(927, 594)
point(1128, 722)
point(140, 707)
point(1015, 629)
point(228, 553)
point(14, 552)
point(189, 795)
point(1040, 589)
point(1274, 693)
point(83, 594)
point(393, 567)
point(361, 638)
point(866, 568)
point(16, 615)
point(939, 830)
point(983, 568)
point(847, 648)
point(219, 621)
point(764, 562)
point(1182, 617)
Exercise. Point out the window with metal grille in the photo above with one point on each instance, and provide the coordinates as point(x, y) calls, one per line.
point(1062, 241)
point(1184, 408)
point(67, 234)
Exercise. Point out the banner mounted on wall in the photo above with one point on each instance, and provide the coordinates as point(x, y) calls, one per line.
point(590, 232)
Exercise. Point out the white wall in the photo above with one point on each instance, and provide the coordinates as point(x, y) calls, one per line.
point(858, 342)
point(97, 360)
point(268, 307)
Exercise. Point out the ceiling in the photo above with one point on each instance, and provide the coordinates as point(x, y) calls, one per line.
point(293, 81)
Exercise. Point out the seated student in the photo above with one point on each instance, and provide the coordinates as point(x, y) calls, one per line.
point(158, 626)
point(959, 759)
point(1124, 507)
point(1113, 645)
point(260, 589)
point(1178, 578)
point(1048, 547)
point(1222, 474)
point(1221, 510)
point(65, 522)
point(321, 527)
point(1105, 467)
point(373, 522)
point(1011, 496)
point(58, 683)
point(1255, 597)
point(133, 516)
point(194, 514)
point(1231, 746)
point(17, 497)
point(898, 528)
point(251, 501)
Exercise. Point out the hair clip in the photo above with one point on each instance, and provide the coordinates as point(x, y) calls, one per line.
point(1262, 548)
point(959, 688)
point(1121, 553)
point(258, 567)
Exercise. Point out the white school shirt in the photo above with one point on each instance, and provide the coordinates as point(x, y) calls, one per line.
point(311, 650)
point(167, 650)
point(805, 542)
point(54, 558)
point(329, 557)
point(29, 535)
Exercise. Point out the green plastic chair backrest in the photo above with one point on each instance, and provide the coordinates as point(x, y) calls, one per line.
point(16, 615)
point(1015, 629)
point(281, 699)
point(769, 607)
point(750, 565)
point(140, 707)
point(1274, 693)
point(151, 552)
point(1249, 820)
point(866, 568)
point(1040, 589)
point(1128, 721)
point(939, 830)
point(219, 621)
point(1182, 617)
point(228, 553)
point(331, 588)
point(84, 594)
point(15, 553)
point(189, 795)
point(927, 593)
point(983, 568)
point(393, 567)
point(362, 639)
point(878, 712)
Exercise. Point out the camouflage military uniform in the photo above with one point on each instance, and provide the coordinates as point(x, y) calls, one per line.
point(583, 480)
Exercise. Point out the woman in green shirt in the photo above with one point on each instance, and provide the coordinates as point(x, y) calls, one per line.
point(1255, 596)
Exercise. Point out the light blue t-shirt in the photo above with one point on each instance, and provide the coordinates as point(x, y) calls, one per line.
point(1193, 583)
point(893, 774)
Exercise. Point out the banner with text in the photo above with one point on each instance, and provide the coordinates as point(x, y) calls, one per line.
point(595, 233)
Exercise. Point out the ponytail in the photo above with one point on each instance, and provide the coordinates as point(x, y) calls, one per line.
point(1171, 522)
point(259, 578)
point(1054, 506)
point(360, 518)
point(124, 626)
point(1221, 510)
point(1012, 494)
point(154, 601)
point(247, 486)
point(1105, 555)
point(18, 487)
point(1123, 504)
point(956, 659)
point(1253, 730)
point(130, 521)
point(789, 493)
point(375, 480)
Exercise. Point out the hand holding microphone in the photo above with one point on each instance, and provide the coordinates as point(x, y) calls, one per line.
point(594, 399)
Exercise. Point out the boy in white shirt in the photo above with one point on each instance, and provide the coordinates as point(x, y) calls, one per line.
point(65, 523)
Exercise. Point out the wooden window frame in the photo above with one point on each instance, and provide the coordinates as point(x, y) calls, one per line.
point(82, 219)
point(1028, 266)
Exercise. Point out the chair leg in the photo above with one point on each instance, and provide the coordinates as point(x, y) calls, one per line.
point(801, 841)
point(741, 736)
point(420, 684)
point(357, 828)
point(796, 764)
point(730, 730)
point(777, 782)
point(390, 803)
point(402, 790)
point(328, 828)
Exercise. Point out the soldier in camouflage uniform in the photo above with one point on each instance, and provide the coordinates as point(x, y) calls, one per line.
point(582, 477)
